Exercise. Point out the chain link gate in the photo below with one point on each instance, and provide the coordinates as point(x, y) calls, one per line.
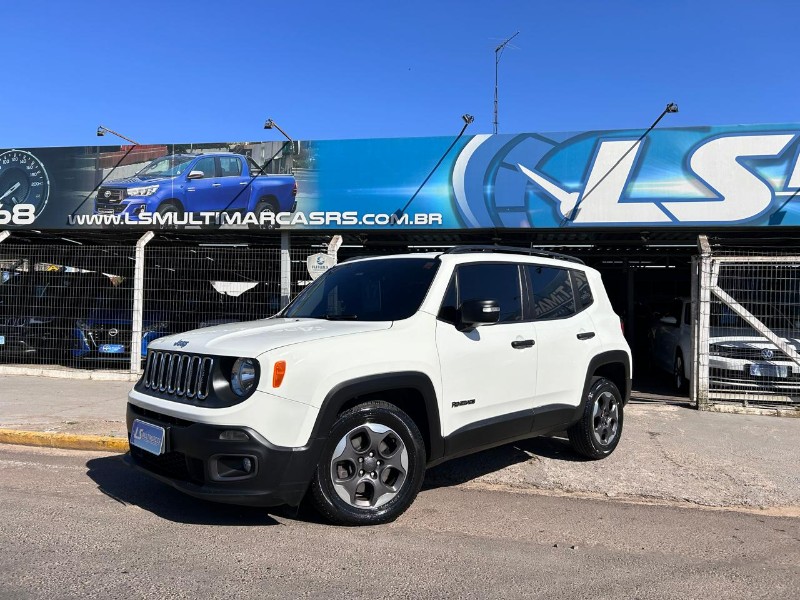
point(746, 336)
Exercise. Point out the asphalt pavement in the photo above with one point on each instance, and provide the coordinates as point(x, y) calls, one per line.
point(83, 525)
point(669, 452)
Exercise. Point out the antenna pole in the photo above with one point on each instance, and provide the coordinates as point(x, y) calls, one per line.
point(498, 52)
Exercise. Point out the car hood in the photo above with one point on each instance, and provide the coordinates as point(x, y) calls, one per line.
point(134, 180)
point(121, 317)
point(252, 338)
point(748, 338)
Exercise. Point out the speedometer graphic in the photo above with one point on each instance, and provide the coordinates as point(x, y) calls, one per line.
point(23, 180)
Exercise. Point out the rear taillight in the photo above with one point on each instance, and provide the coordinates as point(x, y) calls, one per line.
point(294, 189)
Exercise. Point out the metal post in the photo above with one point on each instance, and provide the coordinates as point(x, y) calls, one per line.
point(4, 235)
point(703, 325)
point(138, 303)
point(286, 269)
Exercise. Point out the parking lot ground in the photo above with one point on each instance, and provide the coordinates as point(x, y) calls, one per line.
point(83, 525)
point(669, 451)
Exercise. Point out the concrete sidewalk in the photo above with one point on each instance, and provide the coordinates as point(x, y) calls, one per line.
point(669, 452)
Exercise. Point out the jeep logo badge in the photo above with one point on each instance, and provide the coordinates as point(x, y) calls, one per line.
point(181, 343)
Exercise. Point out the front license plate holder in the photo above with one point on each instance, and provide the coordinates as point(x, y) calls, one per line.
point(150, 438)
point(112, 348)
point(776, 371)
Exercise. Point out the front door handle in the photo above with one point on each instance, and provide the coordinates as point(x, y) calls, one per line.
point(216, 185)
point(520, 344)
point(586, 335)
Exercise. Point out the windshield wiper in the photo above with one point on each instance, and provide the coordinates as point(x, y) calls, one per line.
point(339, 317)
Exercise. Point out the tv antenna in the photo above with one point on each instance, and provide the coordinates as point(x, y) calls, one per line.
point(498, 52)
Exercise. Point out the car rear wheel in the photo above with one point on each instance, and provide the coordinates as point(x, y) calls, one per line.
point(599, 429)
point(679, 374)
point(371, 468)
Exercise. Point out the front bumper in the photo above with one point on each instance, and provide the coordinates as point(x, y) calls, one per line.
point(194, 453)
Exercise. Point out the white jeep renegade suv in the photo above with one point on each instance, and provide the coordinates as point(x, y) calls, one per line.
point(379, 369)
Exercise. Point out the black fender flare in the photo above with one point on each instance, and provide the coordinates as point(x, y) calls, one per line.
point(610, 357)
point(346, 391)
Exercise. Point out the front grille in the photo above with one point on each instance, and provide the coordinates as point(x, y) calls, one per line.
point(111, 195)
point(109, 335)
point(744, 353)
point(178, 374)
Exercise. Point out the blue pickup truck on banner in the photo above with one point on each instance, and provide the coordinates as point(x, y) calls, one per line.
point(684, 177)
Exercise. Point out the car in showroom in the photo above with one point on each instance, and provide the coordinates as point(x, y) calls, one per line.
point(379, 369)
point(739, 356)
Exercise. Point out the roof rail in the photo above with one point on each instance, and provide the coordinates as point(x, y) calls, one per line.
point(511, 250)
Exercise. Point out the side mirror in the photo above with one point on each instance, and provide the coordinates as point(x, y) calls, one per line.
point(478, 312)
point(669, 320)
point(195, 175)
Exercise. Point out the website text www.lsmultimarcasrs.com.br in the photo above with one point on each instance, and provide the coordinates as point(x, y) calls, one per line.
point(208, 218)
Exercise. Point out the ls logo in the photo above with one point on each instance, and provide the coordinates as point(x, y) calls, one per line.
point(716, 182)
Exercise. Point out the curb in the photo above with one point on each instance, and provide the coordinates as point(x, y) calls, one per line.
point(68, 441)
point(66, 373)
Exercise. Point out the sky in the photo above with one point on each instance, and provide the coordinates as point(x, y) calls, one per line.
point(205, 70)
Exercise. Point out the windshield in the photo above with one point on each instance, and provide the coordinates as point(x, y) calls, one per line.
point(167, 166)
point(374, 290)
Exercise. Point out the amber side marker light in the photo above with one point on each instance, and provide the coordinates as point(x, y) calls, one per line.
point(278, 371)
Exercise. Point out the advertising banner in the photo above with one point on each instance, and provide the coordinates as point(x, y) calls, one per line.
point(695, 177)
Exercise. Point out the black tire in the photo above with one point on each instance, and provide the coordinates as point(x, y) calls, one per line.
point(169, 208)
point(265, 206)
point(586, 436)
point(679, 373)
point(323, 494)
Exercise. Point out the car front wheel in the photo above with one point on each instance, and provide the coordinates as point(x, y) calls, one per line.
point(372, 467)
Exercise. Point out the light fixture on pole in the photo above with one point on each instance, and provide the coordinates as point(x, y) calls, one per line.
point(101, 131)
point(498, 52)
point(398, 214)
point(270, 124)
point(670, 108)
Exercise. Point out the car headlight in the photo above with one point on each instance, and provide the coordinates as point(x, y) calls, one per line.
point(143, 191)
point(244, 376)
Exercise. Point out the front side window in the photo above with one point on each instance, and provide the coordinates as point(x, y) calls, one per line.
point(371, 290)
point(206, 165)
point(492, 281)
point(553, 297)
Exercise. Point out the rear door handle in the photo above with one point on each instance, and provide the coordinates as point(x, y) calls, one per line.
point(586, 335)
point(520, 344)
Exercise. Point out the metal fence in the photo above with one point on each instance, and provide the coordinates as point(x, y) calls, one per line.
point(63, 305)
point(746, 336)
point(99, 307)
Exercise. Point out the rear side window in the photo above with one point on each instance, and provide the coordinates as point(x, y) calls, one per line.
point(553, 297)
point(583, 292)
point(492, 281)
point(231, 166)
